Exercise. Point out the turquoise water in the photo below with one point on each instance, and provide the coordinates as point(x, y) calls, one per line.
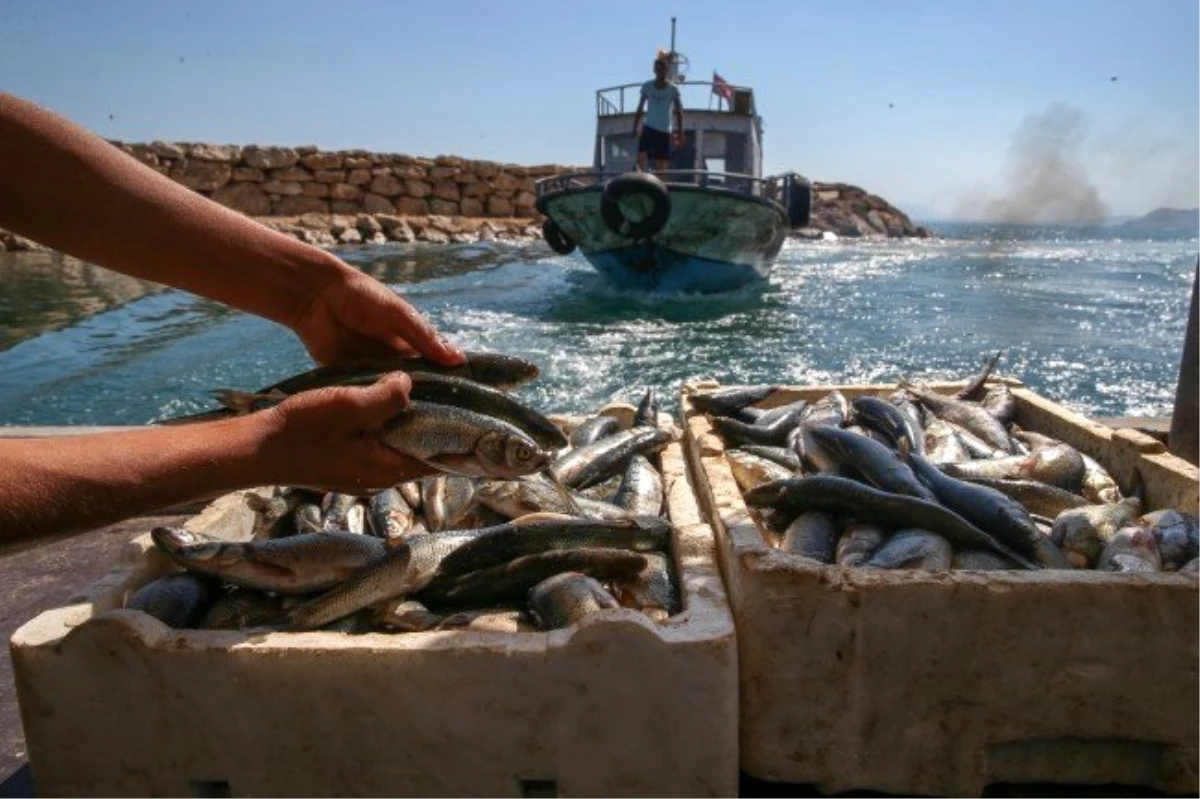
point(1085, 317)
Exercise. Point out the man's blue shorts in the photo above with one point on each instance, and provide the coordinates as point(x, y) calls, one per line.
point(655, 143)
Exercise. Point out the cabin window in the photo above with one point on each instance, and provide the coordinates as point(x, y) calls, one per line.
point(618, 151)
point(715, 165)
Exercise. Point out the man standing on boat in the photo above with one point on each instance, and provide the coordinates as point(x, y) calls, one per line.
point(659, 97)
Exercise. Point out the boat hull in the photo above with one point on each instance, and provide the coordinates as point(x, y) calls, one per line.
point(714, 240)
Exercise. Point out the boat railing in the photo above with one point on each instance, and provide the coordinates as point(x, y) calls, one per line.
point(769, 188)
point(696, 95)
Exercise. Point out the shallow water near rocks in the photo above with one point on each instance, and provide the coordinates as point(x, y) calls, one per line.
point(1086, 318)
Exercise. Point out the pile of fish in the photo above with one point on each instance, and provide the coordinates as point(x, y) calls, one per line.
point(923, 480)
point(530, 523)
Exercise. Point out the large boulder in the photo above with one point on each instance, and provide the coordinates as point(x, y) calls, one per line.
point(288, 188)
point(375, 204)
point(225, 153)
point(412, 206)
point(244, 197)
point(387, 186)
point(269, 157)
point(319, 161)
point(202, 175)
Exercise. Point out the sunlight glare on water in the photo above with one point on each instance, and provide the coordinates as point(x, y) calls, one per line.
point(1089, 320)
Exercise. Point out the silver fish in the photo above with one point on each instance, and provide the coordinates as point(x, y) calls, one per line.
point(903, 434)
point(857, 543)
point(177, 600)
point(653, 590)
point(1098, 485)
point(832, 409)
point(588, 465)
point(411, 491)
point(446, 500)
point(641, 491)
point(1000, 403)
point(849, 497)
point(510, 582)
point(1082, 533)
point(943, 444)
point(812, 534)
point(306, 518)
point(567, 598)
point(1177, 534)
point(409, 565)
point(647, 410)
point(463, 442)
point(1131, 549)
point(482, 399)
point(241, 609)
point(543, 532)
point(784, 456)
point(388, 515)
point(593, 430)
point(1036, 497)
point(750, 470)
point(968, 415)
point(882, 467)
point(996, 514)
point(298, 564)
point(335, 511)
point(913, 549)
point(726, 401)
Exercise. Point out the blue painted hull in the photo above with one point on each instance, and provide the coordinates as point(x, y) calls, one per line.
point(715, 240)
point(654, 267)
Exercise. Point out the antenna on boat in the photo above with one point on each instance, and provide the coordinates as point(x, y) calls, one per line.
point(677, 63)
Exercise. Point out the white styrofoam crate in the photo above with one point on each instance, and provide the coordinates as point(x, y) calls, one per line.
point(116, 703)
point(940, 683)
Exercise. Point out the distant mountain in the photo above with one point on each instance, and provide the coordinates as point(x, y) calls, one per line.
point(1166, 219)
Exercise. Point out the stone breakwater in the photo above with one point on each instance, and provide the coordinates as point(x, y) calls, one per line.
point(851, 212)
point(346, 197)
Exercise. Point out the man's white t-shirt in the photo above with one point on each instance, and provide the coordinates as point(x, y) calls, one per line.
point(658, 104)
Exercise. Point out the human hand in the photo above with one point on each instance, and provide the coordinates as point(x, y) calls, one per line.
point(329, 439)
point(352, 316)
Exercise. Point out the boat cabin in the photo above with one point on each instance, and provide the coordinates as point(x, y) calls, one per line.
point(721, 137)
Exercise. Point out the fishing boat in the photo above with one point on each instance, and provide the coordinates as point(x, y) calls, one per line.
point(709, 223)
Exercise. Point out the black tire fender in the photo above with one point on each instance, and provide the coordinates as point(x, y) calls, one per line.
point(559, 241)
point(626, 187)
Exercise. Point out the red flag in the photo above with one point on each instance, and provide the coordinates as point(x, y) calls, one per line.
point(721, 87)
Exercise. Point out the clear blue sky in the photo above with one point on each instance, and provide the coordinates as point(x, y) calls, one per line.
point(924, 103)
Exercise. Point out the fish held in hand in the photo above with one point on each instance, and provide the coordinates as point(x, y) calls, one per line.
point(463, 442)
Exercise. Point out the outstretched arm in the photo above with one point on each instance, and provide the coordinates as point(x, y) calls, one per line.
point(325, 439)
point(71, 190)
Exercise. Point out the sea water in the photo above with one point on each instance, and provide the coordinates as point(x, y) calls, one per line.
point(1090, 318)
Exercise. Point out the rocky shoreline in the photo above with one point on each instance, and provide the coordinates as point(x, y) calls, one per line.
point(354, 197)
